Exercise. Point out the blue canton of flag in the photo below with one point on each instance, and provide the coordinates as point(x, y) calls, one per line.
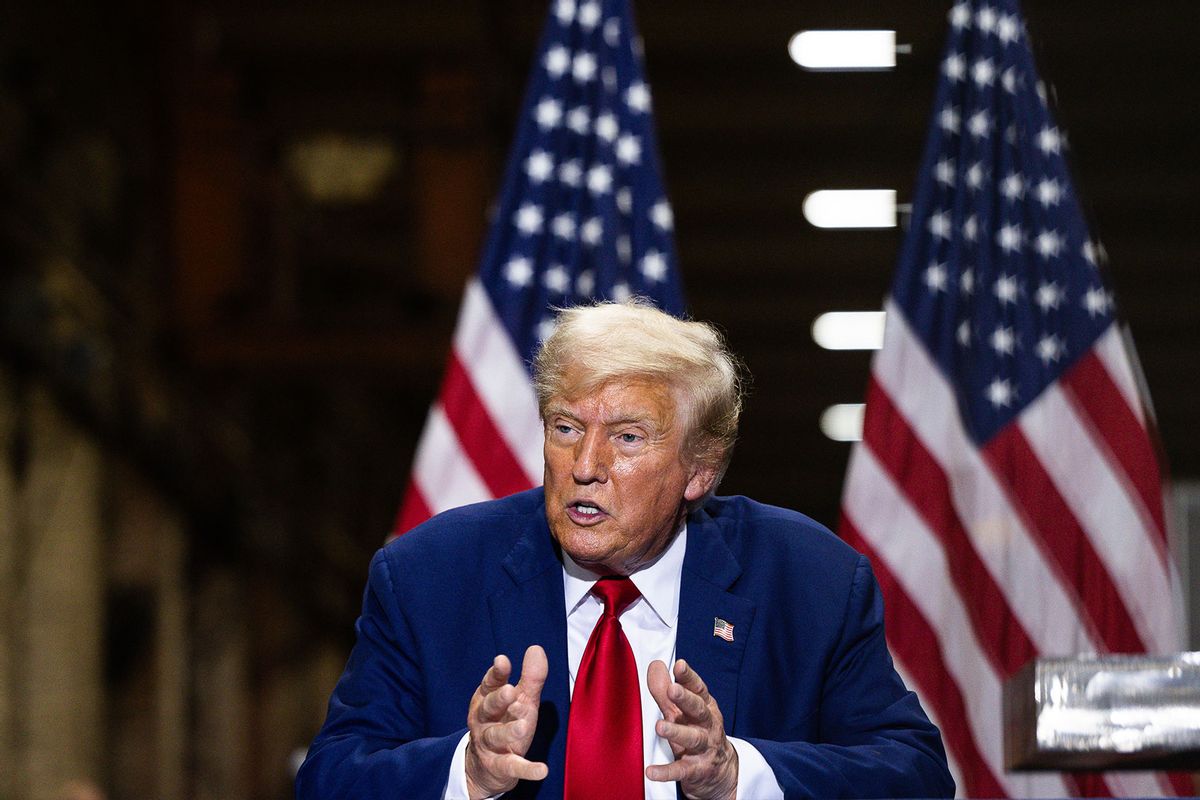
point(1002, 282)
point(583, 214)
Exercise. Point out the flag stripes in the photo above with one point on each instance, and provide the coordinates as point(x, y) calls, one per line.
point(1007, 486)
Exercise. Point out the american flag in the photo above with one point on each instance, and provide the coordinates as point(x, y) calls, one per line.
point(722, 629)
point(582, 216)
point(1006, 488)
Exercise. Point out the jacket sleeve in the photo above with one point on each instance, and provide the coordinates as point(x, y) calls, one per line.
point(373, 742)
point(874, 739)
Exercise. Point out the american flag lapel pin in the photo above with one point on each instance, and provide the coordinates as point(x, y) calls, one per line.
point(723, 629)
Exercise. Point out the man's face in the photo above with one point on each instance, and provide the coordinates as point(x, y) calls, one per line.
point(617, 483)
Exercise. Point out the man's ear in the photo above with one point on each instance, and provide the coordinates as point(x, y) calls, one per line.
point(700, 483)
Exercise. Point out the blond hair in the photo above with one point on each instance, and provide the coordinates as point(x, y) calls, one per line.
point(609, 341)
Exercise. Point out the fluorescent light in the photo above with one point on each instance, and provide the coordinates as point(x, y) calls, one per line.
point(851, 208)
point(843, 422)
point(844, 50)
point(849, 330)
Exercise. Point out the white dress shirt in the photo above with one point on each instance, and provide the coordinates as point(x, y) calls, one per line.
point(650, 625)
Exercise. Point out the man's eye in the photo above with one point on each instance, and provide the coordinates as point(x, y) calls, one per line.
point(630, 438)
point(563, 429)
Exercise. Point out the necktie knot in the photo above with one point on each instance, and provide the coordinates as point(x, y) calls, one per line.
point(617, 593)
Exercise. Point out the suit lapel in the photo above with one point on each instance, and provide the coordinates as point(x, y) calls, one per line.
point(531, 611)
point(709, 570)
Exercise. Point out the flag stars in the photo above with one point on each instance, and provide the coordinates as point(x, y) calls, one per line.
point(1048, 244)
point(629, 149)
point(939, 224)
point(955, 67)
point(1048, 296)
point(970, 228)
point(548, 113)
point(599, 179)
point(583, 67)
point(1096, 302)
point(620, 292)
point(1049, 192)
point(563, 226)
point(1013, 186)
point(1050, 348)
point(983, 73)
point(1000, 392)
point(612, 32)
point(606, 127)
point(1093, 252)
point(1008, 79)
point(585, 283)
point(948, 119)
point(578, 120)
point(975, 175)
point(556, 279)
point(662, 216)
point(608, 76)
point(986, 19)
point(943, 171)
point(624, 250)
point(564, 10)
point(654, 266)
point(963, 333)
point(1009, 237)
point(1003, 340)
point(545, 328)
point(592, 232)
point(529, 219)
point(966, 281)
point(518, 271)
point(539, 166)
point(625, 200)
point(589, 15)
point(557, 61)
point(1006, 289)
point(571, 173)
point(960, 16)
point(637, 97)
point(979, 125)
point(1007, 29)
point(1049, 140)
point(936, 277)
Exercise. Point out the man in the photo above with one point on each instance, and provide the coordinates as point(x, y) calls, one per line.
point(779, 684)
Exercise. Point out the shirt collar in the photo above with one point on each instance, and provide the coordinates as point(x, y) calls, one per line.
point(658, 581)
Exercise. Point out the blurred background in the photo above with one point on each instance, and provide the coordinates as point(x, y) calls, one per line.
point(233, 239)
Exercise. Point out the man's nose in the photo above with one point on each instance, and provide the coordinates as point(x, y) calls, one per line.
point(591, 458)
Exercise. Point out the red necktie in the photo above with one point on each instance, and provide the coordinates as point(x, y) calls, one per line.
point(604, 729)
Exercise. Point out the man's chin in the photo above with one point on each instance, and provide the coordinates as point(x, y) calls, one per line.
point(587, 549)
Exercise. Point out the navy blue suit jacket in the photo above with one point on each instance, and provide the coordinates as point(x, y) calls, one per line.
point(807, 679)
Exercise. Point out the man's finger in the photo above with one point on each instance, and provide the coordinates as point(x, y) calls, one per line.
point(675, 771)
point(534, 669)
point(496, 703)
point(684, 674)
point(658, 680)
point(497, 674)
point(691, 704)
point(501, 737)
point(515, 766)
point(688, 738)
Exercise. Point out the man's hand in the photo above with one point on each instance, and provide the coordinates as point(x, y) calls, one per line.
point(706, 764)
point(501, 720)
